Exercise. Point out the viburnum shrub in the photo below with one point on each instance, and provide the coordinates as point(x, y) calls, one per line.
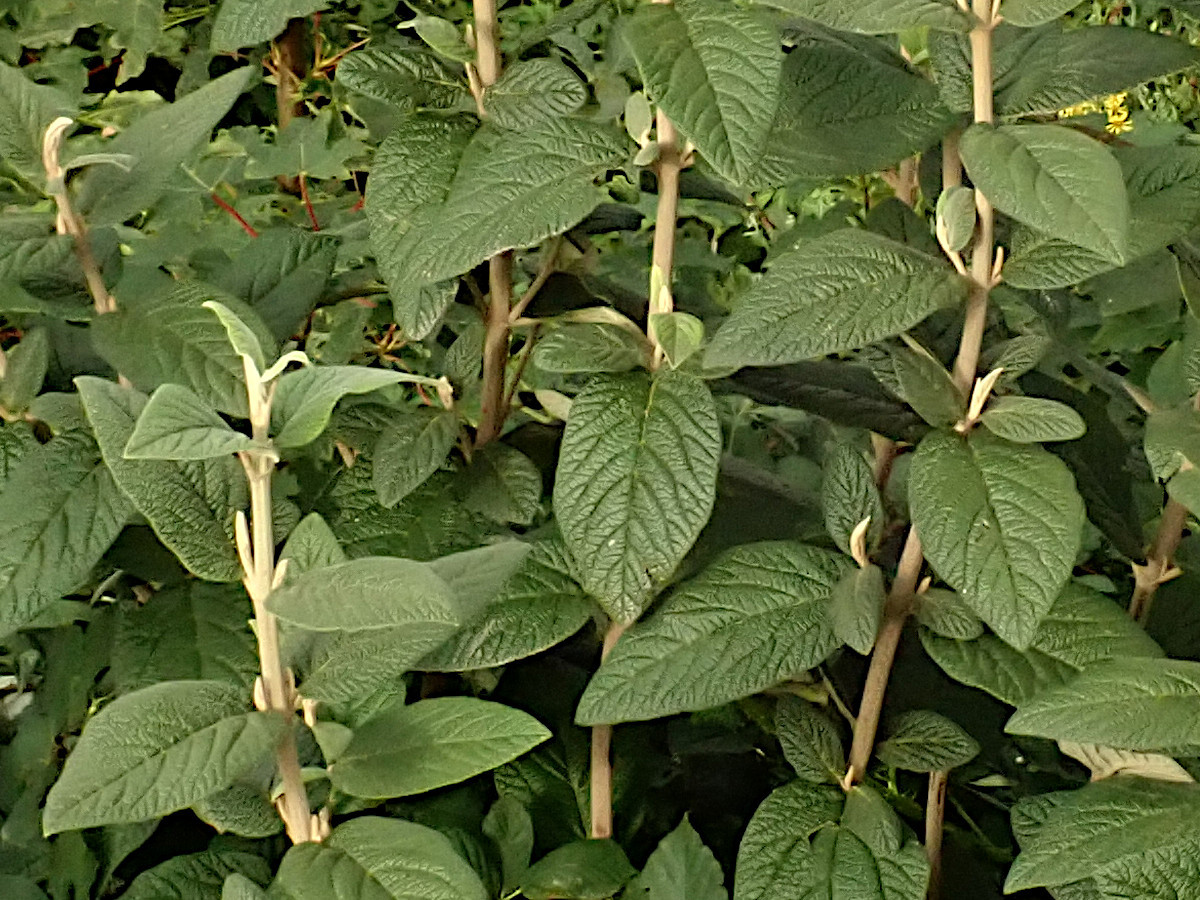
point(599, 448)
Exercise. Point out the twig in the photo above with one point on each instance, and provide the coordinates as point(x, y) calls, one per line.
point(312, 216)
point(69, 221)
point(522, 362)
point(601, 769)
point(1159, 567)
point(237, 217)
point(539, 281)
point(935, 818)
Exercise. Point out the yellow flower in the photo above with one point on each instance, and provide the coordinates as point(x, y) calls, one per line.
point(1113, 107)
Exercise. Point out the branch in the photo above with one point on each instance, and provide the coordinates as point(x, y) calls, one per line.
point(935, 818)
point(601, 770)
point(539, 282)
point(1159, 567)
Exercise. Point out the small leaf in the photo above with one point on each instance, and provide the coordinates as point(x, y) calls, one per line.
point(627, 517)
point(755, 617)
point(198, 876)
point(680, 868)
point(810, 742)
point(241, 337)
point(956, 216)
point(1000, 522)
point(928, 387)
point(408, 78)
point(305, 399)
point(311, 545)
point(24, 370)
point(504, 485)
point(584, 870)
point(923, 741)
point(443, 37)
point(239, 887)
point(26, 109)
point(534, 90)
point(1032, 420)
point(411, 450)
point(944, 613)
point(367, 594)
point(510, 827)
point(679, 334)
point(1054, 179)
point(177, 425)
point(372, 858)
point(245, 23)
point(856, 607)
point(432, 743)
point(1129, 704)
point(158, 750)
point(839, 292)
point(586, 347)
point(849, 495)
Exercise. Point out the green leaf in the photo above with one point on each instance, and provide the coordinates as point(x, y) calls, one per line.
point(504, 485)
point(848, 105)
point(714, 70)
point(956, 216)
point(305, 399)
point(59, 512)
point(411, 450)
point(588, 347)
point(628, 515)
point(408, 78)
point(1001, 523)
point(1082, 628)
point(546, 170)
point(755, 617)
point(241, 337)
point(1053, 179)
point(681, 868)
point(413, 171)
point(18, 887)
point(923, 741)
point(371, 858)
point(175, 424)
point(584, 870)
point(442, 36)
point(175, 340)
point(856, 607)
point(1130, 704)
point(189, 631)
point(836, 293)
point(311, 545)
point(198, 876)
point(510, 828)
point(239, 887)
point(1107, 829)
point(944, 613)
point(432, 743)
point(244, 23)
point(928, 387)
point(244, 809)
point(804, 840)
point(26, 109)
point(302, 147)
point(190, 506)
point(1028, 13)
point(538, 606)
point(367, 594)
point(476, 576)
point(679, 334)
point(1032, 420)
point(810, 741)
point(156, 751)
point(24, 370)
point(849, 495)
point(534, 90)
point(877, 16)
point(162, 141)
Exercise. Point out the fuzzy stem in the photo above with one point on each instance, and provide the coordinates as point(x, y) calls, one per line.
point(601, 769)
point(1159, 566)
point(670, 164)
point(935, 818)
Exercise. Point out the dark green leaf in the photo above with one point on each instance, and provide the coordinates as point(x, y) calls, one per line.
point(856, 607)
point(305, 399)
point(877, 16)
point(26, 109)
point(534, 90)
point(1032, 420)
point(923, 741)
point(411, 450)
point(197, 876)
point(810, 742)
point(588, 347)
point(584, 870)
point(24, 370)
point(680, 868)
point(175, 425)
point(849, 495)
point(928, 387)
point(504, 485)
point(244, 23)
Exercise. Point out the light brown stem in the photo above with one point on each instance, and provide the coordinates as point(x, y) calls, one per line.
point(495, 349)
point(935, 817)
point(487, 44)
point(601, 771)
point(1159, 566)
point(951, 160)
point(670, 164)
point(539, 281)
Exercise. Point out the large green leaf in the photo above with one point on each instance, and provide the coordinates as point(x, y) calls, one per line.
point(535, 608)
point(156, 751)
point(534, 90)
point(161, 142)
point(589, 347)
point(368, 594)
point(243, 23)
point(1027, 13)
point(753, 618)
point(409, 77)
point(1055, 180)
point(840, 292)
point(877, 16)
point(1110, 829)
point(636, 481)
point(59, 512)
point(509, 190)
point(504, 485)
point(714, 70)
point(1131, 704)
point(304, 400)
point(1083, 627)
point(805, 840)
point(411, 450)
point(681, 868)
point(192, 630)
point(923, 741)
point(848, 105)
point(1000, 522)
point(584, 870)
point(197, 876)
point(26, 109)
point(176, 425)
point(432, 743)
point(371, 858)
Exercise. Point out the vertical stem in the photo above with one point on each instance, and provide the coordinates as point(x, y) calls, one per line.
point(487, 42)
point(601, 770)
point(935, 816)
point(1159, 561)
point(670, 164)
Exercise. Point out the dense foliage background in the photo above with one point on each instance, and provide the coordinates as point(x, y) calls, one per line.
point(448, 264)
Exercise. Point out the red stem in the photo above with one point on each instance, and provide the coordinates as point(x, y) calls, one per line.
point(246, 226)
point(312, 216)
